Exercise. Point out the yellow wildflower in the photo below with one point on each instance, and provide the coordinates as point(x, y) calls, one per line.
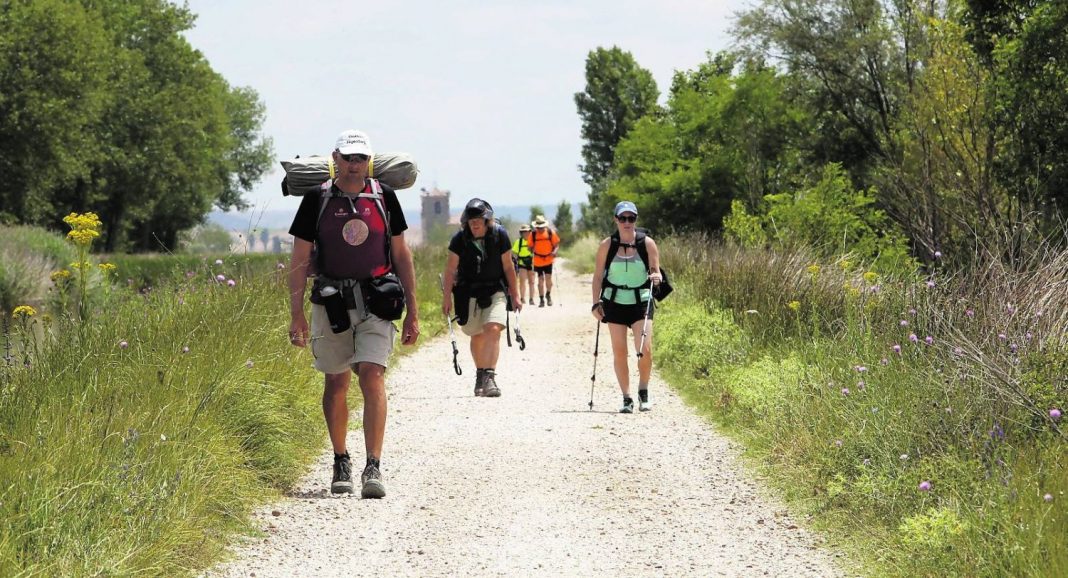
point(82, 265)
point(107, 267)
point(23, 311)
point(83, 222)
point(871, 277)
point(814, 269)
point(795, 305)
point(60, 275)
point(83, 236)
point(845, 264)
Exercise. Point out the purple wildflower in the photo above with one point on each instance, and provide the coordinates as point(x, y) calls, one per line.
point(220, 277)
point(896, 348)
point(913, 338)
point(928, 340)
point(938, 254)
point(123, 344)
point(861, 384)
point(925, 486)
point(218, 262)
point(281, 265)
point(1013, 347)
point(185, 349)
point(930, 284)
point(837, 443)
point(248, 364)
point(1048, 497)
point(1055, 414)
point(957, 351)
point(1002, 336)
point(969, 313)
point(231, 283)
point(904, 323)
point(884, 361)
point(845, 391)
point(1028, 336)
point(860, 368)
point(912, 311)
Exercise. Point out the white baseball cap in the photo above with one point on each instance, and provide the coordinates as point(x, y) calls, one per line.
point(353, 142)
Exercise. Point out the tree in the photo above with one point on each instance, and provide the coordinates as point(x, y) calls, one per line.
point(564, 222)
point(535, 211)
point(618, 93)
point(126, 119)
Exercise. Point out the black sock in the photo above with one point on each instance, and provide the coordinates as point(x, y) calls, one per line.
point(627, 399)
point(643, 394)
point(338, 456)
point(371, 460)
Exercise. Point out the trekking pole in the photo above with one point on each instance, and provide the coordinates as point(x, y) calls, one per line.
point(596, 348)
point(645, 328)
point(452, 336)
point(518, 337)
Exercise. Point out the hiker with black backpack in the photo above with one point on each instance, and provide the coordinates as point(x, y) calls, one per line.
point(365, 278)
point(482, 280)
point(626, 273)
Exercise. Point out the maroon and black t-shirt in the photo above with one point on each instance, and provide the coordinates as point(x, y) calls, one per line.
point(352, 234)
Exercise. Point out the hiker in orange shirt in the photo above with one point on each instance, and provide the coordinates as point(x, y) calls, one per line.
point(545, 243)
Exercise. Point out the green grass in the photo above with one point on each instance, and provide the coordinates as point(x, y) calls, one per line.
point(581, 254)
point(847, 428)
point(28, 256)
point(124, 453)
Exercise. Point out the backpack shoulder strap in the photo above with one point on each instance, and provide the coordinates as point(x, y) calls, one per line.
point(639, 245)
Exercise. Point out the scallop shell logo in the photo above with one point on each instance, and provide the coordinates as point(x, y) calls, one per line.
point(355, 232)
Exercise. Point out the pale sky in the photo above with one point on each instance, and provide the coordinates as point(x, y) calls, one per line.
point(481, 93)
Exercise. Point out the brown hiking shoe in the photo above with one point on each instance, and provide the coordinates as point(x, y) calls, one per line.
point(490, 384)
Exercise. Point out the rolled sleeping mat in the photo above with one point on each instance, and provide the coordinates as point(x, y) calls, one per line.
point(306, 175)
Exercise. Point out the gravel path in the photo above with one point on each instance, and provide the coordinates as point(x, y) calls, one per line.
point(533, 483)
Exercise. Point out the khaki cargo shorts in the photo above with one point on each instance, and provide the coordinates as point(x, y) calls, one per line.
point(370, 339)
point(497, 312)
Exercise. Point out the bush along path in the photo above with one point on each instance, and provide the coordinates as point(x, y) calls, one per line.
point(534, 482)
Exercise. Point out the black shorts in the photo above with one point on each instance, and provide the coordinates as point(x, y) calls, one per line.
point(625, 314)
point(544, 270)
point(521, 265)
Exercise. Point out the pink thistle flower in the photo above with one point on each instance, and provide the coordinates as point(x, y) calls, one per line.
point(845, 391)
point(957, 351)
point(1048, 497)
point(912, 311)
point(861, 384)
point(281, 265)
point(1055, 414)
point(884, 361)
point(938, 254)
point(925, 486)
point(1028, 336)
point(860, 368)
point(1013, 347)
point(913, 338)
point(189, 274)
point(969, 313)
point(896, 348)
point(220, 277)
point(837, 443)
point(928, 340)
point(218, 262)
point(866, 462)
point(930, 284)
point(123, 344)
point(904, 323)
point(249, 364)
point(231, 283)
point(1002, 336)
point(185, 349)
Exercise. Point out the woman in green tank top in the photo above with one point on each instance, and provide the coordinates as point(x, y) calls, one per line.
point(622, 298)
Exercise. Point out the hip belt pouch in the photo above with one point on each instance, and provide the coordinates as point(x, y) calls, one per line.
point(384, 296)
point(461, 303)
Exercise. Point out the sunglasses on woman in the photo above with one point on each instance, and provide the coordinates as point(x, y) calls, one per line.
point(627, 218)
point(354, 158)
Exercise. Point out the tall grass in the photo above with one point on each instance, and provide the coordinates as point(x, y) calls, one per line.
point(28, 256)
point(138, 442)
point(853, 389)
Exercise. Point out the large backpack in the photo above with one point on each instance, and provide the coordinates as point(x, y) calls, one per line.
point(327, 192)
point(660, 291)
point(304, 176)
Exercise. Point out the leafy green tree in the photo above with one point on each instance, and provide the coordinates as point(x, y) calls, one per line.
point(618, 93)
point(126, 120)
point(565, 225)
point(536, 210)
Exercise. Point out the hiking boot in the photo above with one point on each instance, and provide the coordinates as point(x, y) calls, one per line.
point(342, 482)
point(480, 383)
point(643, 400)
point(490, 384)
point(541, 303)
point(549, 299)
point(531, 301)
point(372, 481)
point(628, 405)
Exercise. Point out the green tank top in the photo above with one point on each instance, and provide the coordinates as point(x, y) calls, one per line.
point(628, 271)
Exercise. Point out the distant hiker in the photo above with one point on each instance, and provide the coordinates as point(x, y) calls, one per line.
point(480, 273)
point(524, 264)
point(622, 298)
point(365, 279)
point(545, 243)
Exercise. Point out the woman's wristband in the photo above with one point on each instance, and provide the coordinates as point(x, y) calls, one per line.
point(595, 306)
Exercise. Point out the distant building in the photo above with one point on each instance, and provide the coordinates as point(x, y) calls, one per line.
point(435, 211)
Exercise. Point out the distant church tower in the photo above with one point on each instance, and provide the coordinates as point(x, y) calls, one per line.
point(435, 210)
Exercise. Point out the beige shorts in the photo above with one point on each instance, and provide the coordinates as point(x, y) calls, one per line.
point(369, 339)
point(477, 319)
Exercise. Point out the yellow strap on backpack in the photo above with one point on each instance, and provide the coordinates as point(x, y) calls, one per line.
point(330, 165)
point(371, 167)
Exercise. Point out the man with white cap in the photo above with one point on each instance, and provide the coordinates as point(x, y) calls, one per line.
point(628, 265)
point(357, 229)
